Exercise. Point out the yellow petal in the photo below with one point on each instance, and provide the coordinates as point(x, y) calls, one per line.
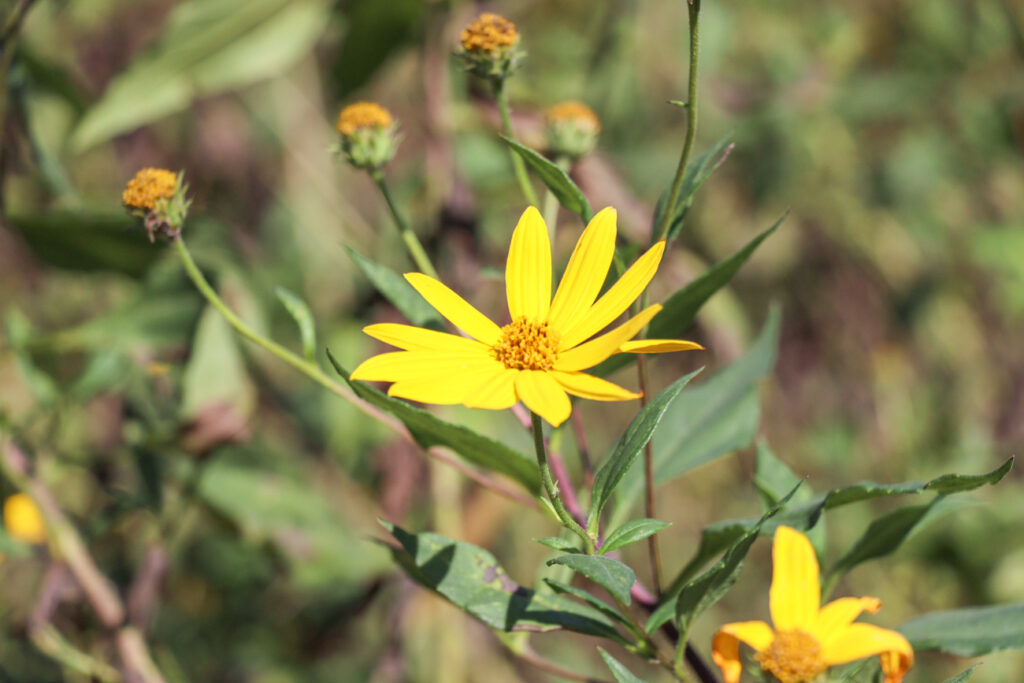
point(594, 388)
point(659, 346)
point(841, 613)
point(528, 269)
point(725, 648)
point(496, 392)
point(543, 395)
point(456, 309)
point(596, 350)
point(23, 519)
point(796, 592)
point(615, 300)
point(587, 269)
point(400, 366)
point(858, 641)
point(450, 391)
point(418, 339)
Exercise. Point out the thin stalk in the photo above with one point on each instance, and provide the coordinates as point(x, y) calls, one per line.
point(650, 508)
point(644, 638)
point(551, 488)
point(412, 243)
point(506, 129)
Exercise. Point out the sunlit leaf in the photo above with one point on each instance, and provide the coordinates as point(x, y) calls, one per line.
point(556, 179)
point(612, 575)
point(631, 532)
point(620, 672)
point(968, 632)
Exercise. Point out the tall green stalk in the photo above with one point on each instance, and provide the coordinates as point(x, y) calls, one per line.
point(506, 129)
point(551, 488)
point(412, 243)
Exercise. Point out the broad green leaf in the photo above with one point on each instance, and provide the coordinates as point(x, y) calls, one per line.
point(963, 676)
point(621, 673)
point(471, 579)
point(303, 317)
point(399, 292)
point(707, 421)
point(557, 180)
point(593, 601)
point(697, 171)
point(613, 575)
point(679, 309)
point(631, 532)
point(968, 632)
point(429, 430)
point(208, 46)
point(708, 588)
point(556, 543)
point(216, 373)
point(631, 443)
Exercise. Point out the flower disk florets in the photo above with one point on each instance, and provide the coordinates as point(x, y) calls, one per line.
point(157, 196)
point(368, 135)
point(489, 47)
point(793, 657)
point(572, 129)
point(526, 345)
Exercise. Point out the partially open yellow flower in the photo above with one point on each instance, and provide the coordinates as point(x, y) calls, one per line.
point(23, 520)
point(539, 356)
point(147, 187)
point(361, 115)
point(488, 33)
point(807, 638)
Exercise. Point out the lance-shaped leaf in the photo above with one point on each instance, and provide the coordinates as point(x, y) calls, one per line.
point(631, 532)
point(556, 543)
point(471, 579)
point(303, 318)
point(612, 575)
point(963, 676)
point(631, 443)
point(696, 173)
point(773, 478)
point(621, 673)
point(968, 632)
point(429, 430)
point(595, 602)
point(399, 292)
point(556, 179)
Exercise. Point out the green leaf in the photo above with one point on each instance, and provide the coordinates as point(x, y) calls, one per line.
point(773, 478)
point(613, 575)
point(216, 373)
point(707, 421)
point(557, 180)
point(303, 317)
point(696, 173)
point(596, 603)
point(209, 46)
point(679, 310)
point(621, 673)
point(963, 676)
point(631, 532)
point(471, 579)
point(399, 292)
point(429, 430)
point(968, 632)
point(556, 543)
point(708, 588)
point(631, 443)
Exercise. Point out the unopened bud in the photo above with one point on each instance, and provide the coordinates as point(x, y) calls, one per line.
point(572, 129)
point(369, 136)
point(490, 47)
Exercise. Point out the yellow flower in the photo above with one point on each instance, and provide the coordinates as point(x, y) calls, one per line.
point(808, 638)
point(539, 355)
point(488, 33)
point(361, 115)
point(147, 187)
point(23, 519)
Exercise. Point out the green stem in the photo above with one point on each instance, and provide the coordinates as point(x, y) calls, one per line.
point(412, 243)
point(691, 123)
point(506, 129)
point(551, 488)
point(550, 211)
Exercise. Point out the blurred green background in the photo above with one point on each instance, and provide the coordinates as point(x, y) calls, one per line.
point(892, 131)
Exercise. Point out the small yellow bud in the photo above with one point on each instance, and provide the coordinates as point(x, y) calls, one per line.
point(368, 135)
point(23, 519)
point(490, 47)
point(572, 129)
point(158, 197)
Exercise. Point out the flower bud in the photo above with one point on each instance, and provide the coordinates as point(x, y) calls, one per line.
point(490, 47)
point(572, 129)
point(23, 519)
point(368, 135)
point(157, 196)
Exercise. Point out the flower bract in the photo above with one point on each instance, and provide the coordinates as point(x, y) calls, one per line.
point(540, 355)
point(807, 639)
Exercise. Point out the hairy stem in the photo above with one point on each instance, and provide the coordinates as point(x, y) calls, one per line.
point(551, 488)
point(506, 129)
point(412, 243)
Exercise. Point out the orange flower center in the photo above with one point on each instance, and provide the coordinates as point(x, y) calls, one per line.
point(149, 185)
point(488, 33)
point(526, 345)
point(793, 657)
point(363, 115)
